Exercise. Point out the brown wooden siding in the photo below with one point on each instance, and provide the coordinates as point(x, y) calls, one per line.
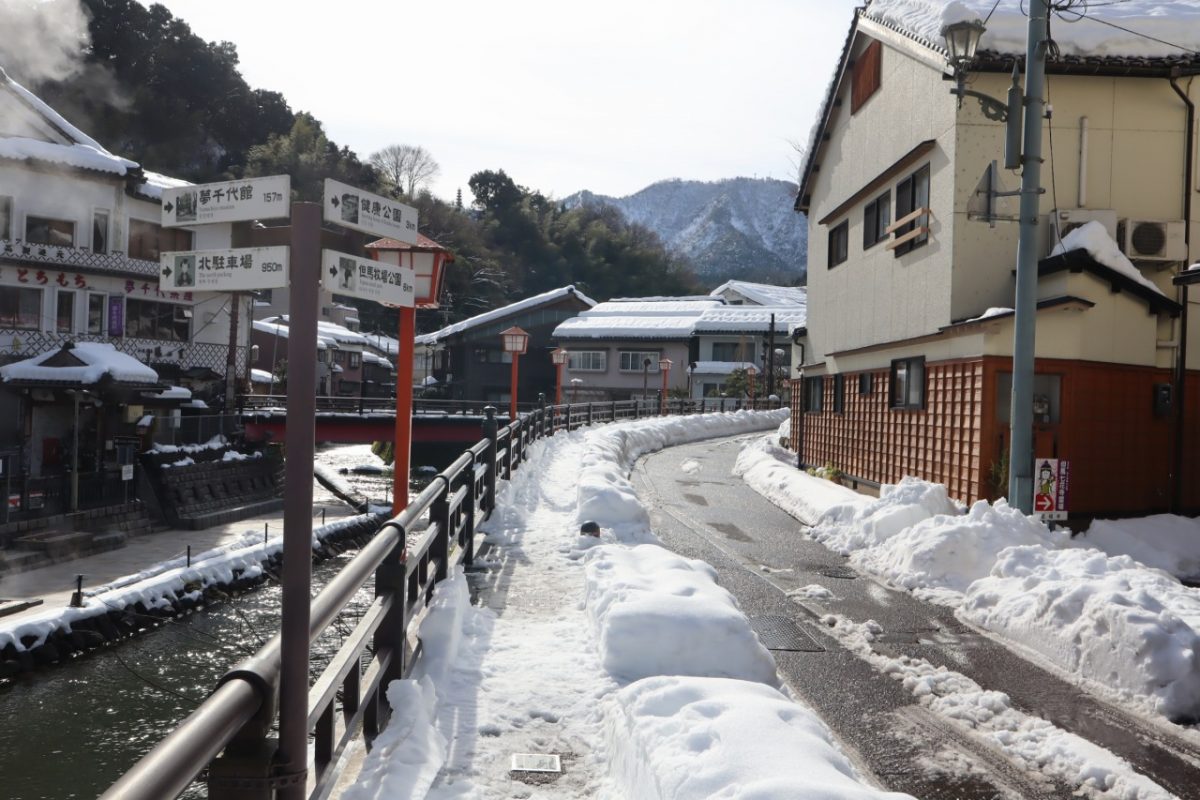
point(865, 76)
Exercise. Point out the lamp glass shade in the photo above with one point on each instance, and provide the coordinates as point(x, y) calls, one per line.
point(962, 40)
point(515, 340)
point(664, 364)
point(559, 356)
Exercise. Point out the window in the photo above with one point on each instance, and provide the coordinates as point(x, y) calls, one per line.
point(263, 295)
point(56, 232)
point(839, 243)
point(339, 357)
point(908, 383)
point(634, 360)
point(733, 351)
point(100, 231)
point(147, 319)
point(839, 393)
point(876, 217)
point(587, 360)
point(95, 314)
point(147, 241)
point(864, 382)
point(64, 317)
point(20, 308)
point(492, 355)
point(814, 394)
point(6, 217)
point(355, 360)
point(865, 76)
point(912, 194)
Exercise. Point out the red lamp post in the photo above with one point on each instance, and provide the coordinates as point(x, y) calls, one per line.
point(751, 377)
point(559, 357)
point(664, 366)
point(427, 259)
point(515, 341)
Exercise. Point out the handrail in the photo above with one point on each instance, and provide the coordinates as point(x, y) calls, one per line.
point(235, 721)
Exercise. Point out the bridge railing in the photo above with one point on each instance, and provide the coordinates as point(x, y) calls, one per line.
point(253, 403)
point(228, 738)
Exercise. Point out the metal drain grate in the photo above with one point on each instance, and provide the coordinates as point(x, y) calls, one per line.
point(536, 762)
point(781, 633)
point(844, 573)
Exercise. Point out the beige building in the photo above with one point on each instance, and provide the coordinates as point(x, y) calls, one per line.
point(910, 332)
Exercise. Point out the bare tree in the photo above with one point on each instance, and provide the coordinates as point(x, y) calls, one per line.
point(405, 167)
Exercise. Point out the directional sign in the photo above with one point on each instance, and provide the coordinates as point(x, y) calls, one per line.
point(1051, 488)
point(233, 270)
point(230, 201)
point(369, 213)
point(385, 283)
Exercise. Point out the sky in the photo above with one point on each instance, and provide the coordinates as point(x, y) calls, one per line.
point(562, 96)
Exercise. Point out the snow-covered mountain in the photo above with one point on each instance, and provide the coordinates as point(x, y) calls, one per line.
point(741, 228)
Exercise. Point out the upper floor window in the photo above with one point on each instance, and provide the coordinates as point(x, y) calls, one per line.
point(912, 201)
point(733, 351)
point(20, 308)
point(56, 232)
point(355, 360)
point(5, 217)
point(877, 216)
point(636, 361)
point(865, 75)
point(839, 243)
point(148, 319)
point(587, 360)
point(100, 231)
point(148, 240)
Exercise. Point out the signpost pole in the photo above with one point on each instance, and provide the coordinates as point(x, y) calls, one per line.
point(235, 302)
point(300, 442)
point(402, 449)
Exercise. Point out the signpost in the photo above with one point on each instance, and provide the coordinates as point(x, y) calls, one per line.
point(232, 270)
point(228, 201)
point(1051, 488)
point(368, 279)
point(370, 213)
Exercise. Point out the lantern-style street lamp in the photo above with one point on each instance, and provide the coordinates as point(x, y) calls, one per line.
point(664, 366)
point(575, 384)
point(559, 357)
point(646, 362)
point(515, 341)
point(427, 259)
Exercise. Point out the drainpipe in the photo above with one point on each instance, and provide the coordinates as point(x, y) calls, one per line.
point(1181, 353)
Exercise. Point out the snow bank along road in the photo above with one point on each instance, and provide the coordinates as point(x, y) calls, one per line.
point(931, 705)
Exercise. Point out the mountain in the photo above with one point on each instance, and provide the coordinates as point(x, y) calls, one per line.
point(742, 228)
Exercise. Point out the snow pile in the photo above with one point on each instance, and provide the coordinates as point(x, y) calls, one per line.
point(1093, 238)
point(495, 314)
point(233, 455)
point(1175, 21)
point(406, 757)
point(186, 461)
point(657, 613)
point(215, 443)
point(1105, 618)
point(700, 738)
point(772, 473)
point(1163, 541)
point(995, 311)
point(853, 525)
point(261, 376)
point(96, 360)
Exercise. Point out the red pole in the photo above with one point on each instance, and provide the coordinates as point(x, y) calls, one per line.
point(402, 448)
point(512, 402)
point(663, 401)
point(558, 385)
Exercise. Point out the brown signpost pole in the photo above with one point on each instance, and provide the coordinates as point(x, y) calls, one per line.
point(300, 442)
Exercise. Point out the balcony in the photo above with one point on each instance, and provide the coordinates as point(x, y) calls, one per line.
point(19, 252)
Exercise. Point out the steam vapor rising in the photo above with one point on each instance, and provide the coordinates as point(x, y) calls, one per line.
point(42, 40)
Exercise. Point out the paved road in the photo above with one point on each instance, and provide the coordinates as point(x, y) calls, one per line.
point(761, 554)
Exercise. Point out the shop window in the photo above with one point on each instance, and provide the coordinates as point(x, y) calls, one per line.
point(912, 194)
point(908, 383)
point(148, 241)
point(147, 319)
point(64, 316)
point(839, 244)
point(100, 231)
point(55, 232)
point(814, 394)
point(20, 308)
point(95, 314)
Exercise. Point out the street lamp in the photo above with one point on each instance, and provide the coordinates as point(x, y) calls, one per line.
point(664, 365)
point(575, 384)
point(559, 357)
point(645, 377)
point(515, 341)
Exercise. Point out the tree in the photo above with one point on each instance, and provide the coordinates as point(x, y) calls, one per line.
point(405, 168)
point(307, 154)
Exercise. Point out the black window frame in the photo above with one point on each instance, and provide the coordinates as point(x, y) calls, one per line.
point(153, 319)
point(877, 216)
point(839, 244)
point(866, 382)
point(50, 231)
point(912, 193)
point(814, 394)
point(6, 217)
point(911, 372)
point(839, 393)
point(21, 308)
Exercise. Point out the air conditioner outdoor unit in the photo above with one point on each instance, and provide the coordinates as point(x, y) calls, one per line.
point(1152, 240)
point(1062, 221)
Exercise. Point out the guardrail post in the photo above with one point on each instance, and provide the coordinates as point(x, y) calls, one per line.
point(637, 409)
point(541, 424)
point(570, 409)
point(468, 534)
point(614, 411)
point(489, 432)
point(391, 579)
point(439, 514)
point(589, 413)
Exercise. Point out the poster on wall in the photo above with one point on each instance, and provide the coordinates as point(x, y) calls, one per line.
point(1051, 488)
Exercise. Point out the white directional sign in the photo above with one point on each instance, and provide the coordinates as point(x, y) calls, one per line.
point(370, 213)
point(229, 201)
point(233, 270)
point(385, 283)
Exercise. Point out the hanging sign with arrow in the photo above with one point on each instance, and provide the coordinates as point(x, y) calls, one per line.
point(370, 213)
point(233, 270)
point(229, 201)
point(365, 278)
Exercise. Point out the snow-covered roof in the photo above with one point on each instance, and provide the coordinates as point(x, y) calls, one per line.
point(170, 393)
point(1080, 32)
point(371, 358)
point(1094, 238)
point(261, 376)
point(328, 334)
point(384, 344)
point(64, 143)
point(83, 363)
point(749, 318)
point(764, 294)
point(340, 333)
point(156, 182)
point(720, 367)
point(500, 313)
point(669, 307)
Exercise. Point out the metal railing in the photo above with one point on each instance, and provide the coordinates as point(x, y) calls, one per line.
point(259, 402)
point(229, 735)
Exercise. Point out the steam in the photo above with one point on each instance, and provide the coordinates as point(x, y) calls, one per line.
point(42, 40)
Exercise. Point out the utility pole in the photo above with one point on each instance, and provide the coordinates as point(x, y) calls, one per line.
point(771, 358)
point(1021, 455)
point(235, 302)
